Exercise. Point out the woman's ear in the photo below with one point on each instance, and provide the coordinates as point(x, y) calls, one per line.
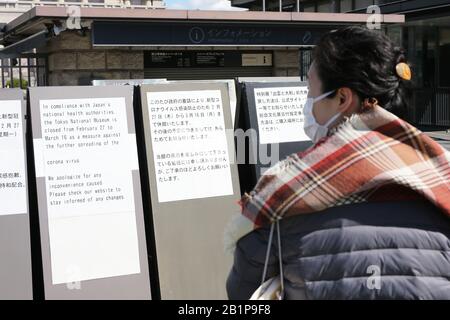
point(346, 100)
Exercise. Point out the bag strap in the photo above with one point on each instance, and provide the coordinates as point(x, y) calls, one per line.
point(266, 262)
point(280, 260)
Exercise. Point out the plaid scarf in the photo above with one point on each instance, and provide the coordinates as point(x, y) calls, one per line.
point(372, 156)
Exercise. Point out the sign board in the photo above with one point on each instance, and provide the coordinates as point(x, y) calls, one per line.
point(272, 118)
point(15, 247)
point(128, 33)
point(193, 184)
point(231, 85)
point(132, 82)
point(89, 193)
point(206, 59)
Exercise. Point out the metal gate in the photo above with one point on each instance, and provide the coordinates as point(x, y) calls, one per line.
point(305, 57)
point(26, 70)
point(430, 107)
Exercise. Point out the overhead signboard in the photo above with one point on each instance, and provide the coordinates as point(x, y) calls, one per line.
point(126, 33)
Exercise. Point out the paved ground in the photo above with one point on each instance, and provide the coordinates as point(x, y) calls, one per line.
point(442, 137)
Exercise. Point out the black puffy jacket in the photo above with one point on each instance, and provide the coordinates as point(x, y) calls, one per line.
point(389, 250)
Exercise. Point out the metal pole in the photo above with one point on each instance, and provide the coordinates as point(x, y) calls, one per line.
point(264, 5)
point(11, 75)
point(302, 70)
point(298, 5)
point(29, 71)
point(3, 70)
point(281, 5)
point(20, 72)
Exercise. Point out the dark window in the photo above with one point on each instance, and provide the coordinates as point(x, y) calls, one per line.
point(309, 7)
point(361, 4)
point(346, 5)
point(325, 6)
point(444, 54)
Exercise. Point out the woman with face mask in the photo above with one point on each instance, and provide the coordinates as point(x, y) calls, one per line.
point(314, 130)
point(364, 213)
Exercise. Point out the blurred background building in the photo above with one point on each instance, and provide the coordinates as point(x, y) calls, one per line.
point(146, 40)
point(425, 35)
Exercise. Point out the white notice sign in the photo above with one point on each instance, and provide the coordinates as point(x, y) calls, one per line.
point(189, 142)
point(256, 59)
point(280, 114)
point(13, 191)
point(87, 156)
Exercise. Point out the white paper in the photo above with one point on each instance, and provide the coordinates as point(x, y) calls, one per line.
point(86, 157)
point(231, 92)
point(13, 190)
point(177, 180)
point(85, 248)
point(280, 114)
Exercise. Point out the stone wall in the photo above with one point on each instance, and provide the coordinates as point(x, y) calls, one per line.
point(286, 63)
point(73, 61)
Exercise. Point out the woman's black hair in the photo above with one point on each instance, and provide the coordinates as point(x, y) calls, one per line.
point(363, 60)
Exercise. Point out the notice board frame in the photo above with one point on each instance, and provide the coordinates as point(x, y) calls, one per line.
point(15, 239)
point(251, 172)
point(125, 287)
point(192, 263)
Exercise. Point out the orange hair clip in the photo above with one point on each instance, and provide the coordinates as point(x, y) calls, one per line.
point(403, 71)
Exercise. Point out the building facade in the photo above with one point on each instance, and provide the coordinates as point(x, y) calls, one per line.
point(11, 9)
point(32, 69)
point(341, 6)
point(141, 43)
point(170, 44)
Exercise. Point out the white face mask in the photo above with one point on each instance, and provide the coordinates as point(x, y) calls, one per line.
point(312, 129)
